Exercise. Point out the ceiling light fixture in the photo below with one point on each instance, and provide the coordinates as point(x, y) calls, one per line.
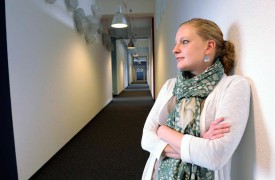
point(131, 44)
point(135, 55)
point(119, 20)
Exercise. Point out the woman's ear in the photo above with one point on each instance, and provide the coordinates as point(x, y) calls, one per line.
point(211, 45)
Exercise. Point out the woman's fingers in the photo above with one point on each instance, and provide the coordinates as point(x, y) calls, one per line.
point(220, 131)
point(217, 121)
point(221, 126)
point(217, 129)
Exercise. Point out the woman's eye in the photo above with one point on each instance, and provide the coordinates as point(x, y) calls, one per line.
point(185, 41)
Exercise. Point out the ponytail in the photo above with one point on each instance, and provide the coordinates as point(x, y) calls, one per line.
point(227, 56)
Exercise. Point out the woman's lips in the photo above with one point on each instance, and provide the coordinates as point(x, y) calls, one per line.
point(179, 58)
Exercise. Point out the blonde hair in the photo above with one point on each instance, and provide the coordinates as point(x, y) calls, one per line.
point(209, 30)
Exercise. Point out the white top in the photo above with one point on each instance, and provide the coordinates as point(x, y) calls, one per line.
point(230, 99)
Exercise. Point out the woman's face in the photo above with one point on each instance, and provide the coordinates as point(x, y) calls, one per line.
point(190, 50)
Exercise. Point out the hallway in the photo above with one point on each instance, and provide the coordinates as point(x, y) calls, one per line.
point(108, 147)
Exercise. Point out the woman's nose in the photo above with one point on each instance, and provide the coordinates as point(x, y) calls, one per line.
point(176, 49)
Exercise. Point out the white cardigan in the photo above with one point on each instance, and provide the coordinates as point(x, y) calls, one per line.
point(230, 99)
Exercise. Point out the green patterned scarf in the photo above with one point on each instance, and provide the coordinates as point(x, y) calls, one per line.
point(185, 118)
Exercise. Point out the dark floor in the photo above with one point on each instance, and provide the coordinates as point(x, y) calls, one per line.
point(109, 146)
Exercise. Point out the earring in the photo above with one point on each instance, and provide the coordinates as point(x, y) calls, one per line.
point(206, 58)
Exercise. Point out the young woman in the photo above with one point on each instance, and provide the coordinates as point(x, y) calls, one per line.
point(199, 117)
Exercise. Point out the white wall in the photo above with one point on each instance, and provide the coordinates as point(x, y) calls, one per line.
point(58, 82)
point(121, 65)
point(131, 69)
point(250, 25)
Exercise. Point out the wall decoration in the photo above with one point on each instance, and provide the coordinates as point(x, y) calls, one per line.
point(93, 24)
point(90, 38)
point(78, 14)
point(88, 25)
point(71, 4)
point(96, 11)
point(82, 25)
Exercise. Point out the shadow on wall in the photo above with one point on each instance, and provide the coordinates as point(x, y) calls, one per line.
point(235, 37)
point(253, 150)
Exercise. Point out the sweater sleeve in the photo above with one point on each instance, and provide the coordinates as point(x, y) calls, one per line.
point(150, 141)
point(233, 104)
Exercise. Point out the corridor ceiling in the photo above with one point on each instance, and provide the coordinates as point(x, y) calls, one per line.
point(139, 15)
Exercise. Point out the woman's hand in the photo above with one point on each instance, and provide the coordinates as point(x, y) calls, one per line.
point(168, 151)
point(216, 129)
point(164, 131)
point(171, 137)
